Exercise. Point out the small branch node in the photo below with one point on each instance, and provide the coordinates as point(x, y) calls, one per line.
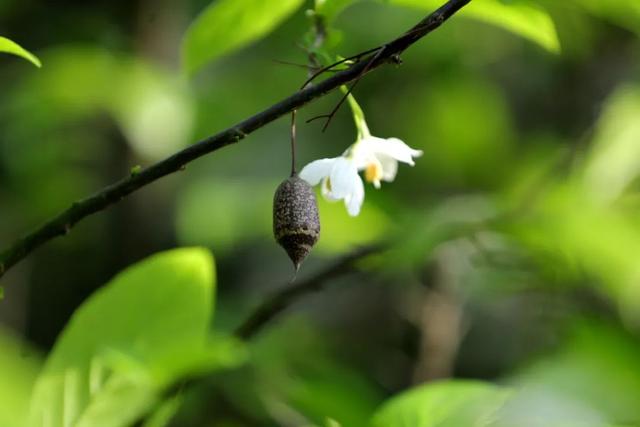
point(395, 59)
point(237, 135)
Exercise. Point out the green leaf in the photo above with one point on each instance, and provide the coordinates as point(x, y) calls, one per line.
point(120, 401)
point(18, 371)
point(228, 25)
point(521, 17)
point(443, 404)
point(13, 48)
point(122, 346)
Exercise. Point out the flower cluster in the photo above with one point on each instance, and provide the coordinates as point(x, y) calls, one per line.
point(377, 157)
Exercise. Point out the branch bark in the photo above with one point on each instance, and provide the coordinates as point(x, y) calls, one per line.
point(62, 224)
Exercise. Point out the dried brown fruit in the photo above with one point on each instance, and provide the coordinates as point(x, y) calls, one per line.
point(296, 225)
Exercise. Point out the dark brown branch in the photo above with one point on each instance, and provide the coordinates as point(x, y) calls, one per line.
point(62, 224)
point(282, 299)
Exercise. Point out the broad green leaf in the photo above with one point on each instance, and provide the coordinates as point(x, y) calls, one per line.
point(121, 347)
point(228, 25)
point(521, 17)
point(443, 404)
point(18, 371)
point(13, 48)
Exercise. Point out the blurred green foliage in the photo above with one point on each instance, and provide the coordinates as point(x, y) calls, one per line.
point(514, 269)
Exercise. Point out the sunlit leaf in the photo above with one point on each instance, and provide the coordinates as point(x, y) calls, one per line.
point(443, 404)
point(18, 370)
point(118, 402)
point(13, 48)
point(227, 25)
point(521, 17)
point(118, 351)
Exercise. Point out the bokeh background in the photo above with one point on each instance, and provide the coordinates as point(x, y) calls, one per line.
point(516, 237)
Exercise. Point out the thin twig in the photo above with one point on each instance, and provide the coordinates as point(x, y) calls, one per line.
point(310, 68)
point(330, 67)
point(62, 223)
point(293, 142)
point(333, 112)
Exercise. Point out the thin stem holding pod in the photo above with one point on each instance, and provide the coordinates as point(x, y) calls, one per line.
point(293, 142)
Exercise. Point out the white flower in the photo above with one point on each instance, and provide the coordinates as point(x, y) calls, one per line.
point(340, 180)
point(379, 157)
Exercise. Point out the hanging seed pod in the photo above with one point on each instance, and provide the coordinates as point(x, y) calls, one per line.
point(296, 225)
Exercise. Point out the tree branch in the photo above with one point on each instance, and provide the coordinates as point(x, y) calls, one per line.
point(283, 298)
point(62, 224)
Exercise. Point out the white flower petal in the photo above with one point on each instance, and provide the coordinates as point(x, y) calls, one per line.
point(389, 167)
point(316, 170)
point(354, 201)
point(326, 191)
point(361, 154)
point(394, 148)
point(344, 177)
